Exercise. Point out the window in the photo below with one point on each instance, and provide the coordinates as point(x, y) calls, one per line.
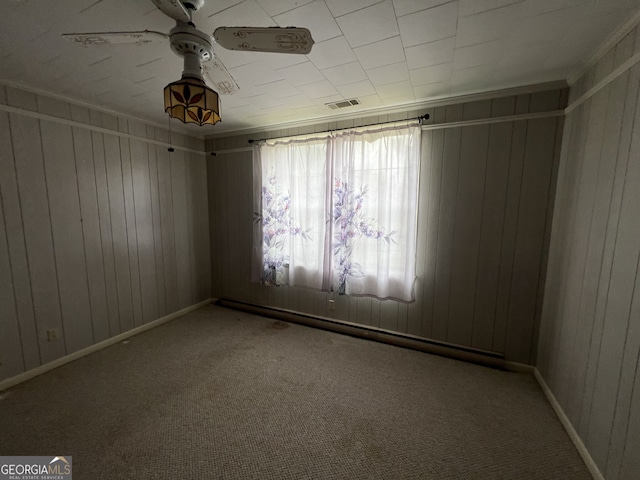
point(339, 212)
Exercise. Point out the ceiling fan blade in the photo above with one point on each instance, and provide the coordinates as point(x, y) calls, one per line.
point(115, 38)
point(220, 77)
point(265, 39)
point(174, 9)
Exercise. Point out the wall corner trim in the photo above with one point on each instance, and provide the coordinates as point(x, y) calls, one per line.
point(28, 375)
point(575, 438)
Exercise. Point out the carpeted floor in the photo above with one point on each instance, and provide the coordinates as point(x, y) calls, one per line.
point(224, 394)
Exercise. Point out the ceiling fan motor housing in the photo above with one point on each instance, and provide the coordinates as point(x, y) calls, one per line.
point(188, 39)
point(193, 45)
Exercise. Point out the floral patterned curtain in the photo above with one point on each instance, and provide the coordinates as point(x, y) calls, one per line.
point(290, 219)
point(339, 212)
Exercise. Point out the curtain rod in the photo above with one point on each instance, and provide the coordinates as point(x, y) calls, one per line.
point(426, 116)
point(438, 126)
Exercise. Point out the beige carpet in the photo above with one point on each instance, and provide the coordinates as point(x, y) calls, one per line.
point(223, 394)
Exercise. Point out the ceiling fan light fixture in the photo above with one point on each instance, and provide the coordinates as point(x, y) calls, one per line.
point(191, 101)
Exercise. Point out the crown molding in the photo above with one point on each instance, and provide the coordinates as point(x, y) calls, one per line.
point(603, 83)
point(93, 128)
point(439, 101)
point(431, 103)
point(80, 103)
point(610, 42)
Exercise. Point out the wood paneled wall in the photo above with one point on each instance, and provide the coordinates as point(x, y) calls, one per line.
point(590, 333)
point(98, 233)
point(486, 196)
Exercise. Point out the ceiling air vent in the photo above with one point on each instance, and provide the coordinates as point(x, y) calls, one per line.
point(344, 103)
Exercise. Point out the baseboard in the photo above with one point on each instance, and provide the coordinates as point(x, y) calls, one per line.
point(23, 377)
point(518, 367)
point(575, 438)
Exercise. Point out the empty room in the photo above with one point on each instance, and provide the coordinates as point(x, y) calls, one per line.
point(264, 239)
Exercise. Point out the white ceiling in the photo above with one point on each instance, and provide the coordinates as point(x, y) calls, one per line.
point(385, 53)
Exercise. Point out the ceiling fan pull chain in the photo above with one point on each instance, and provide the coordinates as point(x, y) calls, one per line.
point(170, 149)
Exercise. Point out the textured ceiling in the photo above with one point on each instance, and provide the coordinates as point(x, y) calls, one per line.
point(385, 53)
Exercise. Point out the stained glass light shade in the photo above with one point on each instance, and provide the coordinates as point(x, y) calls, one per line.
point(191, 101)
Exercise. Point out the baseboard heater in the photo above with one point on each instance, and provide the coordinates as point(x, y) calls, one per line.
point(459, 352)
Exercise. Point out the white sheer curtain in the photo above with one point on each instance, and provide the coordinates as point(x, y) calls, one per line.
point(375, 212)
point(339, 212)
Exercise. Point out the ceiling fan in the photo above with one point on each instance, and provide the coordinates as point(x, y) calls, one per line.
point(189, 99)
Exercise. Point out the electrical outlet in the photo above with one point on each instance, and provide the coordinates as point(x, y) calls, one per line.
point(53, 334)
point(332, 305)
